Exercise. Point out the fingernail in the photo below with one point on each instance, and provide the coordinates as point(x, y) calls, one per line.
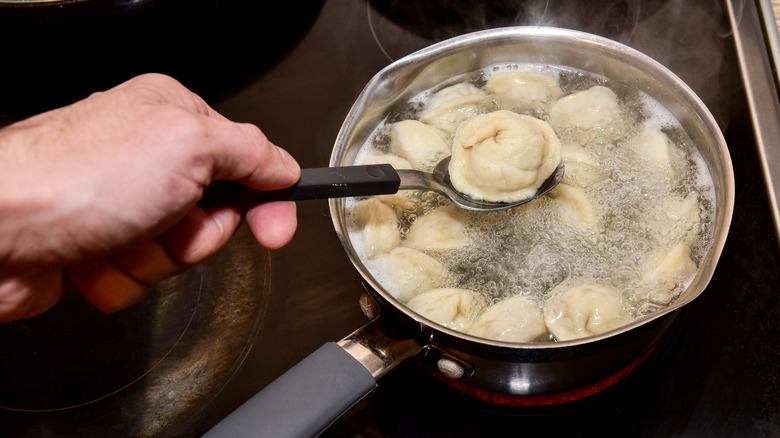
point(289, 161)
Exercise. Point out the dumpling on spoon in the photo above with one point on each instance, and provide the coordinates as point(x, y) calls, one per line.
point(503, 156)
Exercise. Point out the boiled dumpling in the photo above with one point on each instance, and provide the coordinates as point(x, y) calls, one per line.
point(585, 310)
point(380, 227)
point(674, 264)
point(683, 214)
point(524, 92)
point(654, 147)
point(517, 319)
point(402, 202)
point(675, 219)
point(581, 165)
point(587, 115)
point(372, 156)
point(412, 272)
point(448, 107)
point(440, 228)
point(420, 144)
point(503, 156)
point(449, 307)
point(574, 206)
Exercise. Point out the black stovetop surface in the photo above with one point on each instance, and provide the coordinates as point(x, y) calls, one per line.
point(720, 376)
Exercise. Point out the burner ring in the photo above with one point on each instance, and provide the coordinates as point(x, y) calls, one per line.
point(543, 400)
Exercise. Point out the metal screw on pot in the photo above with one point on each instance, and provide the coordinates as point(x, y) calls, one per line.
point(368, 306)
point(450, 369)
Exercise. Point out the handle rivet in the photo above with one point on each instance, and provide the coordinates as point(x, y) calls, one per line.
point(450, 368)
point(368, 306)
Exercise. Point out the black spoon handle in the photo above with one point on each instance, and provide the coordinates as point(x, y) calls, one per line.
point(315, 183)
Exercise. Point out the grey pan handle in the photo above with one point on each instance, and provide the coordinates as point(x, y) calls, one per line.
point(304, 401)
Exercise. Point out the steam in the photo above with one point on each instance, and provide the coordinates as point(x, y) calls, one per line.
point(688, 37)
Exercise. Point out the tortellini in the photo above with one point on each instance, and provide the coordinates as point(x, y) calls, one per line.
point(516, 319)
point(380, 227)
point(574, 207)
point(412, 272)
point(524, 92)
point(375, 157)
point(654, 147)
point(595, 111)
point(503, 156)
point(450, 106)
point(584, 310)
point(401, 201)
point(684, 217)
point(672, 264)
point(581, 167)
point(420, 144)
point(441, 228)
point(450, 307)
point(675, 219)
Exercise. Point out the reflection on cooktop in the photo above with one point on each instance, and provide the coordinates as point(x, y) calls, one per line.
point(165, 359)
point(215, 47)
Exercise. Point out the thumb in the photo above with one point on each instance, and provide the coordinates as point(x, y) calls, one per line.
point(245, 154)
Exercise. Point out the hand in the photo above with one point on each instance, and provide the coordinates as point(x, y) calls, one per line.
point(103, 194)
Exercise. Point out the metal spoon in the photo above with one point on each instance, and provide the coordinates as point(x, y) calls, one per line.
point(374, 179)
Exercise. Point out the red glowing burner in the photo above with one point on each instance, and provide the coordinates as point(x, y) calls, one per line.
point(541, 400)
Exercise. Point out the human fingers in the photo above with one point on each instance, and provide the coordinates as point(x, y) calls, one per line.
point(149, 262)
point(241, 151)
point(26, 296)
point(238, 150)
point(200, 234)
point(124, 279)
point(107, 286)
point(273, 223)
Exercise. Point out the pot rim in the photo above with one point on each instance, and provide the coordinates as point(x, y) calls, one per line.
point(507, 35)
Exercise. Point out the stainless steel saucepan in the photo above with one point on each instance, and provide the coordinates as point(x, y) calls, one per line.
point(314, 393)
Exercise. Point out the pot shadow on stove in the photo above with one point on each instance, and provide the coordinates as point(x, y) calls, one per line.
point(441, 19)
point(59, 52)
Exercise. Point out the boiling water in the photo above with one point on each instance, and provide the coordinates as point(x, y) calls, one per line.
point(530, 250)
